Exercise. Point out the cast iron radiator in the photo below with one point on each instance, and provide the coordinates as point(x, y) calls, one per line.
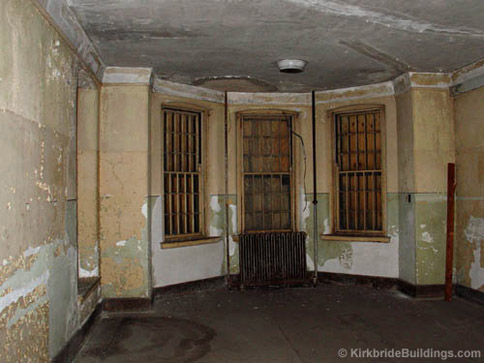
point(273, 258)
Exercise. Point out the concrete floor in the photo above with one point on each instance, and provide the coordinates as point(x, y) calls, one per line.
point(283, 325)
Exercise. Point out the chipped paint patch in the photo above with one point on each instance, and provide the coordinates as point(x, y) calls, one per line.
point(359, 258)
point(214, 204)
point(475, 236)
point(31, 251)
point(426, 237)
point(88, 273)
point(16, 294)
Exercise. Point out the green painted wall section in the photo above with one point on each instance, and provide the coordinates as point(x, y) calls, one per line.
point(133, 255)
point(430, 237)
point(407, 248)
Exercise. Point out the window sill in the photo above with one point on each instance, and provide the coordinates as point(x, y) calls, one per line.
point(188, 243)
point(346, 238)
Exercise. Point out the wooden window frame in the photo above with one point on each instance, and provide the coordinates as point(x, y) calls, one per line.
point(359, 235)
point(191, 239)
point(294, 116)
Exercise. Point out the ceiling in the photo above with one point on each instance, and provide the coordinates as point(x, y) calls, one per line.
point(235, 44)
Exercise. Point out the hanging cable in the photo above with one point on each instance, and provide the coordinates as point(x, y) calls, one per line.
point(305, 166)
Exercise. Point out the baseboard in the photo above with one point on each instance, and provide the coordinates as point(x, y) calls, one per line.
point(70, 350)
point(467, 293)
point(233, 282)
point(417, 291)
point(197, 285)
point(375, 281)
point(126, 304)
point(421, 291)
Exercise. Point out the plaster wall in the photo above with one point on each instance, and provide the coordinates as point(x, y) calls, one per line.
point(87, 174)
point(334, 256)
point(124, 250)
point(406, 180)
point(359, 258)
point(469, 234)
point(189, 263)
point(433, 149)
point(39, 308)
point(415, 199)
point(426, 146)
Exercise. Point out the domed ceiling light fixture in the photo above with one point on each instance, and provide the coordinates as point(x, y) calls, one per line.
point(291, 65)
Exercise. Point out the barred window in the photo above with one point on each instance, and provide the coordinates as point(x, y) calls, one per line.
point(182, 178)
point(266, 173)
point(358, 174)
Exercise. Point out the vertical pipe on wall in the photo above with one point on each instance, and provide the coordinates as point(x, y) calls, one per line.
point(450, 231)
point(315, 195)
point(226, 187)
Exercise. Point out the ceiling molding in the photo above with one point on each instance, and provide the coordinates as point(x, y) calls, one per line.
point(422, 80)
point(127, 75)
point(187, 91)
point(468, 78)
point(269, 98)
point(64, 21)
point(355, 93)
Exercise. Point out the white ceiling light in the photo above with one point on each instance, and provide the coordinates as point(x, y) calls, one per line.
point(291, 65)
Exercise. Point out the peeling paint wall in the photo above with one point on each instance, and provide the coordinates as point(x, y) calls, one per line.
point(359, 258)
point(39, 310)
point(415, 165)
point(355, 258)
point(406, 183)
point(469, 234)
point(87, 176)
point(61, 14)
point(189, 263)
point(124, 119)
point(434, 148)
point(426, 145)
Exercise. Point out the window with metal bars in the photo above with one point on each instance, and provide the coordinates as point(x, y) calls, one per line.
point(359, 172)
point(266, 173)
point(182, 176)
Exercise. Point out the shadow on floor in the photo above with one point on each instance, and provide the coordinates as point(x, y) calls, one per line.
point(284, 325)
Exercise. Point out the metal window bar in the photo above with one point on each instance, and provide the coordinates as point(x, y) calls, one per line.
point(266, 173)
point(181, 172)
point(358, 154)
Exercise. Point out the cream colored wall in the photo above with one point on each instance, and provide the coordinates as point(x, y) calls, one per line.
point(183, 264)
point(406, 162)
point(426, 146)
point(124, 120)
point(406, 180)
point(189, 263)
point(433, 138)
point(324, 139)
point(87, 181)
point(359, 258)
point(419, 112)
point(469, 237)
point(39, 306)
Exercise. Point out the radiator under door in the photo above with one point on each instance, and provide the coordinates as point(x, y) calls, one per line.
point(272, 258)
